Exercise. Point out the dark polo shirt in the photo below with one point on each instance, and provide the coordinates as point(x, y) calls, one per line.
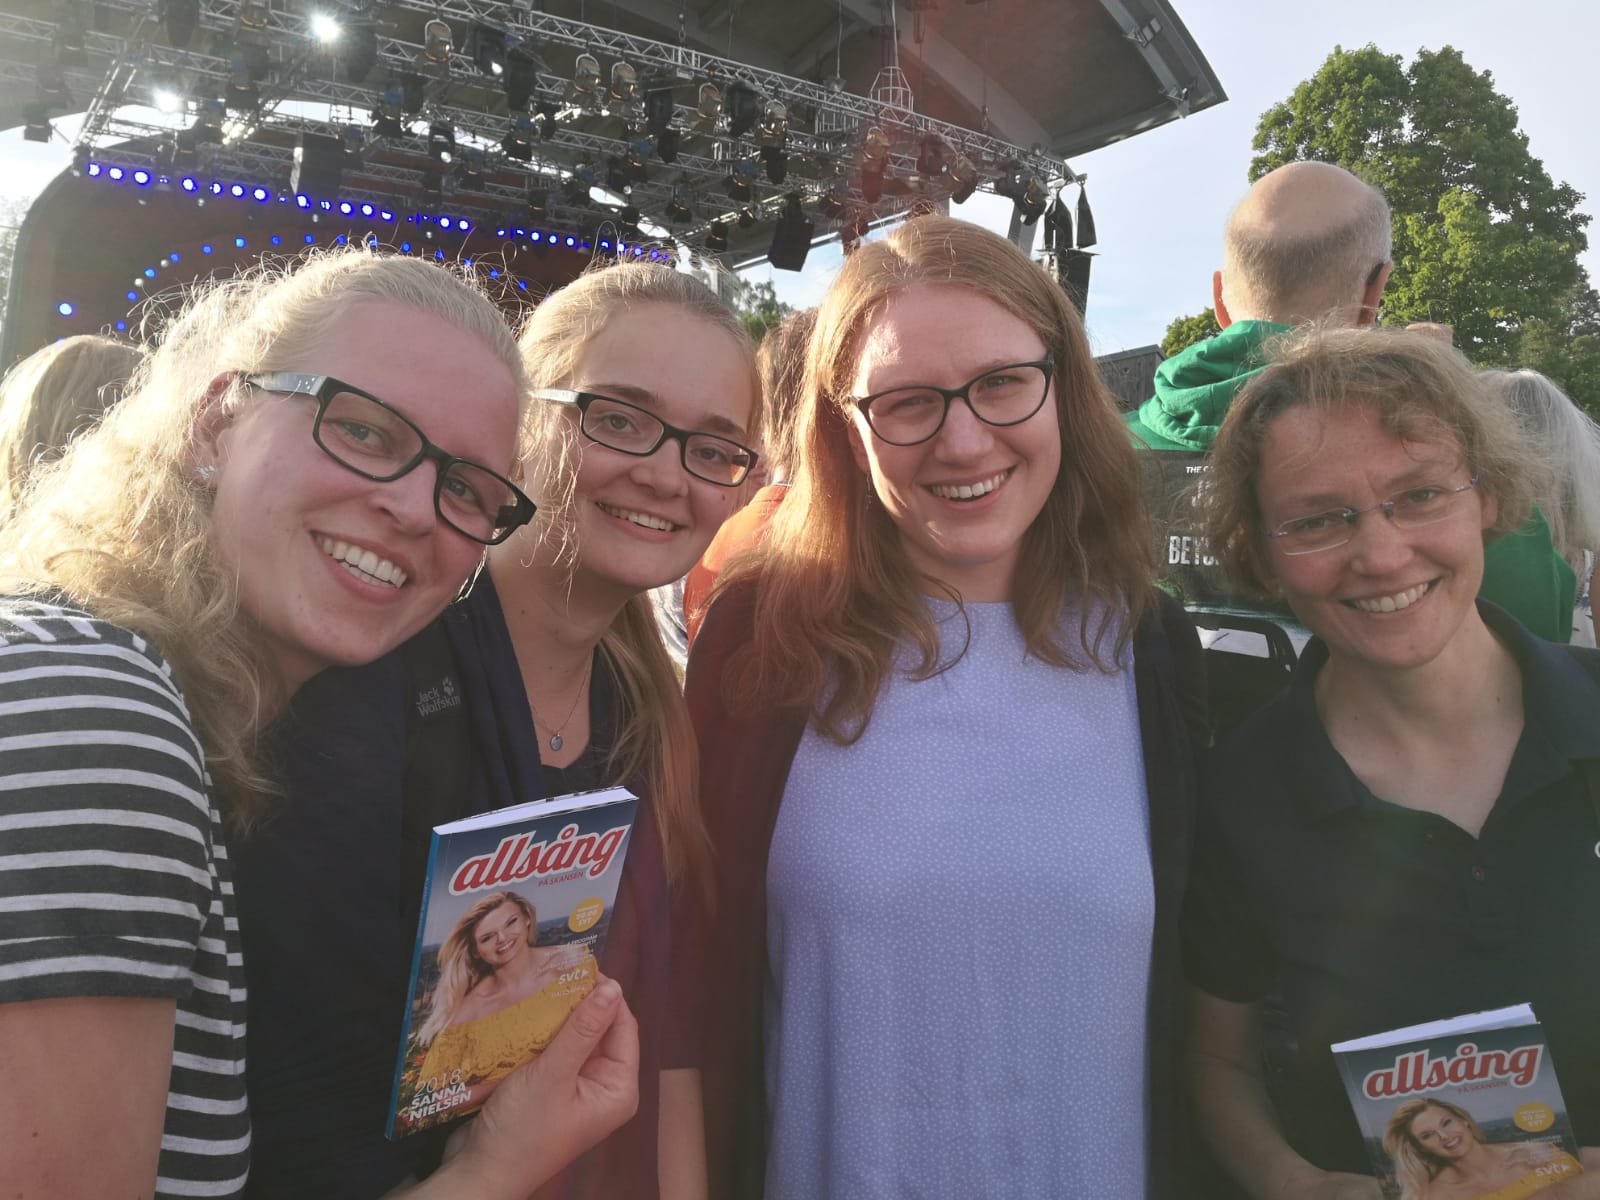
point(1369, 916)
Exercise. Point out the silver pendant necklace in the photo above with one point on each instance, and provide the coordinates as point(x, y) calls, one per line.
point(556, 740)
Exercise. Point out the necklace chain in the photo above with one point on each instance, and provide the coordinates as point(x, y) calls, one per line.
point(556, 740)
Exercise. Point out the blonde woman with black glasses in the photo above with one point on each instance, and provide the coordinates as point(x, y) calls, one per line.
point(303, 473)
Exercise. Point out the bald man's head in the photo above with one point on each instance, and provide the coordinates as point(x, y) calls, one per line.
point(1308, 242)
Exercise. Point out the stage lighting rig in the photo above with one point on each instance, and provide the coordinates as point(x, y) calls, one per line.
point(624, 86)
point(437, 44)
point(584, 90)
point(251, 16)
point(538, 202)
point(387, 119)
point(486, 46)
point(717, 238)
point(519, 139)
point(1026, 193)
point(520, 79)
point(874, 161)
point(325, 28)
point(547, 120)
point(741, 177)
point(680, 209)
point(51, 85)
point(35, 123)
point(70, 31)
point(963, 178)
point(791, 239)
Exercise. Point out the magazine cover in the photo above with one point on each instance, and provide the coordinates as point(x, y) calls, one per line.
point(1462, 1109)
point(514, 912)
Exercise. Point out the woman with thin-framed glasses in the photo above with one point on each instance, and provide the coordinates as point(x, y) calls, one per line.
point(1409, 832)
point(551, 679)
point(262, 506)
point(947, 749)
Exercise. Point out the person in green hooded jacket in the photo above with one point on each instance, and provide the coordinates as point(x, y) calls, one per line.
point(1310, 242)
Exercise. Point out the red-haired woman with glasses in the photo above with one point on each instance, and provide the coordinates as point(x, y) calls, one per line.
point(948, 736)
point(276, 495)
point(1409, 831)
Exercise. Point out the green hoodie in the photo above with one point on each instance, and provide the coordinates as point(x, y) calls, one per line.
point(1521, 571)
point(1195, 387)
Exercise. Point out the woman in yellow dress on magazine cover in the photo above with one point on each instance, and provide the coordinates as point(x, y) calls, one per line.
point(500, 999)
point(1439, 1153)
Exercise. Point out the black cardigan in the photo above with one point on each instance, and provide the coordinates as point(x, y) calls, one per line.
point(741, 786)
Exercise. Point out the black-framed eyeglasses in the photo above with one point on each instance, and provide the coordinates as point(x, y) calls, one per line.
point(630, 429)
point(1413, 508)
point(1001, 396)
point(363, 434)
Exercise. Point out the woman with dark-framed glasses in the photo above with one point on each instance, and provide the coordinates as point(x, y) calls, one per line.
point(548, 677)
point(242, 521)
point(948, 735)
point(1407, 833)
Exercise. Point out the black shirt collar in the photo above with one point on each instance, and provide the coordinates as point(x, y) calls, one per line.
point(1561, 721)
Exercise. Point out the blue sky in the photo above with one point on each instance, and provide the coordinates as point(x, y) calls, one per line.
point(1160, 199)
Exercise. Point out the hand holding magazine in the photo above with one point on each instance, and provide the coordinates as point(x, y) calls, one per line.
point(516, 907)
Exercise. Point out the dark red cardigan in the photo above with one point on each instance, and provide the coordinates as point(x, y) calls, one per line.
point(743, 770)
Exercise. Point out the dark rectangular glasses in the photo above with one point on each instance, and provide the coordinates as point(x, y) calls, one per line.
point(1008, 395)
point(630, 429)
point(363, 434)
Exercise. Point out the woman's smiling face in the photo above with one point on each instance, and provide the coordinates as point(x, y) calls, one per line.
point(1390, 597)
point(644, 521)
point(963, 499)
point(502, 933)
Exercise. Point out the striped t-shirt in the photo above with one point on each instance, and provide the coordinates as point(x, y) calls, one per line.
point(114, 878)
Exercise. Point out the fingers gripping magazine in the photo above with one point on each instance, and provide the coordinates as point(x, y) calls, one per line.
point(515, 909)
point(1461, 1109)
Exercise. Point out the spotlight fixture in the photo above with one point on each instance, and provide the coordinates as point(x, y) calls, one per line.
point(585, 86)
point(658, 110)
point(747, 217)
point(963, 178)
point(624, 84)
point(387, 120)
point(518, 142)
point(667, 145)
point(442, 142)
point(708, 107)
point(36, 123)
point(628, 218)
point(437, 43)
point(519, 80)
point(486, 47)
point(743, 105)
point(210, 112)
point(1025, 192)
point(52, 85)
point(252, 15)
point(791, 240)
point(933, 153)
point(538, 201)
point(717, 238)
point(469, 169)
point(739, 180)
point(773, 128)
point(413, 92)
point(179, 20)
point(619, 177)
point(680, 209)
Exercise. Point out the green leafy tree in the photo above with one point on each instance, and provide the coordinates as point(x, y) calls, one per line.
point(758, 306)
point(1484, 239)
point(1186, 331)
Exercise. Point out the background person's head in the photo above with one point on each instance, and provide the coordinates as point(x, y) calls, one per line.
point(203, 513)
point(782, 360)
point(51, 397)
point(1309, 242)
point(1567, 489)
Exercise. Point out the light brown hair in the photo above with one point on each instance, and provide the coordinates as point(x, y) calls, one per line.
point(1423, 391)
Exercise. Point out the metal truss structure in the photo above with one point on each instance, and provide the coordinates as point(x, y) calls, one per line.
point(854, 160)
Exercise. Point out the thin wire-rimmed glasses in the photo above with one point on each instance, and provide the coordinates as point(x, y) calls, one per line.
point(1001, 396)
point(630, 429)
point(363, 434)
point(1412, 508)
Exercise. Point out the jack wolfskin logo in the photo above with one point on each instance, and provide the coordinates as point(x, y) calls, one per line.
point(441, 696)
